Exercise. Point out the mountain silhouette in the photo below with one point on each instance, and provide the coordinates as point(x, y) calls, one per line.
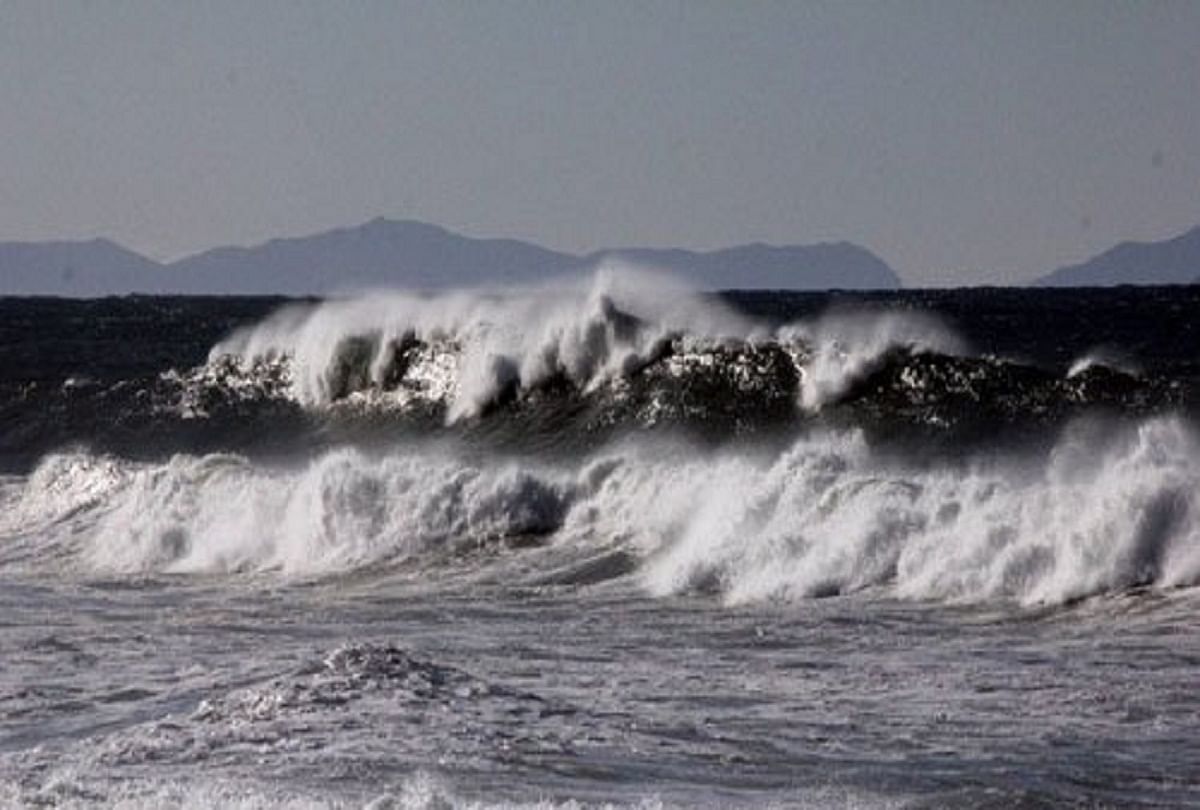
point(838, 265)
point(378, 254)
point(1172, 261)
point(405, 253)
point(77, 269)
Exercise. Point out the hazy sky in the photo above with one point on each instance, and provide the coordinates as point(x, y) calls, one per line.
point(963, 142)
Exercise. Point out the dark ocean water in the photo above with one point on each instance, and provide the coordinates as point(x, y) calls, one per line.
point(602, 544)
point(98, 371)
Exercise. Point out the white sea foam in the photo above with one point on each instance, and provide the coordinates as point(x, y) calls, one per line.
point(1104, 357)
point(341, 511)
point(827, 517)
point(1105, 511)
point(71, 790)
point(62, 485)
point(591, 330)
point(845, 346)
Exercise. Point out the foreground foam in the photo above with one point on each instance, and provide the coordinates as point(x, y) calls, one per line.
point(1103, 513)
point(1105, 510)
point(342, 511)
point(70, 790)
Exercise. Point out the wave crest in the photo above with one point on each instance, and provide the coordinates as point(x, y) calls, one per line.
point(1104, 511)
point(477, 347)
point(825, 519)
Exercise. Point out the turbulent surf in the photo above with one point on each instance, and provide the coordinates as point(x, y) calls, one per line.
point(609, 542)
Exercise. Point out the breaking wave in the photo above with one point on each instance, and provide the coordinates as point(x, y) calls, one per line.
point(816, 502)
point(1106, 509)
point(567, 368)
point(469, 349)
point(1100, 514)
point(635, 350)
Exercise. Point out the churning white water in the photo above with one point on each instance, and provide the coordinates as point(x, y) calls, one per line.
point(647, 553)
point(1102, 511)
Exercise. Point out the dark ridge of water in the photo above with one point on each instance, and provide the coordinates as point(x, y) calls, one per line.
point(1159, 326)
point(125, 337)
point(48, 340)
point(92, 372)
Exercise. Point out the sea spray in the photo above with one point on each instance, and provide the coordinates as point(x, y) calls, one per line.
point(590, 331)
point(826, 515)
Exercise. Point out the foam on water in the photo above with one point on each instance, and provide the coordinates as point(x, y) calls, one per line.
point(524, 610)
point(846, 346)
point(62, 485)
point(1105, 510)
point(69, 790)
point(380, 706)
point(473, 347)
point(590, 331)
point(1102, 514)
point(342, 511)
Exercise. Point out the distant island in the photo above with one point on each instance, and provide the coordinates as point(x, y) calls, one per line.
point(405, 253)
point(1171, 261)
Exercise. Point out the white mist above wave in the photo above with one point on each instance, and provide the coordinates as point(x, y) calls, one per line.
point(592, 332)
point(845, 346)
point(1104, 511)
point(1104, 357)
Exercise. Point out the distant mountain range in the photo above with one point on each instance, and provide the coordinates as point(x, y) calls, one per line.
point(390, 253)
point(405, 253)
point(1172, 261)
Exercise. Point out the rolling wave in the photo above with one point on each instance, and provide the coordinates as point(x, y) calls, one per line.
point(1104, 510)
point(411, 430)
point(570, 366)
point(636, 354)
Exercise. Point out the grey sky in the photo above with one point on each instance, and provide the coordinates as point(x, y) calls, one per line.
point(963, 142)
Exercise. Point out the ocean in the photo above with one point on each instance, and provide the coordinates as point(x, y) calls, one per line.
point(604, 543)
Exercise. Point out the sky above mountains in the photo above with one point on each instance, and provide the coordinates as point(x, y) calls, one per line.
point(966, 142)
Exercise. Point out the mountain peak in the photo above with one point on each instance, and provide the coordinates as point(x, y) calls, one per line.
point(1171, 261)
point(386, 224)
